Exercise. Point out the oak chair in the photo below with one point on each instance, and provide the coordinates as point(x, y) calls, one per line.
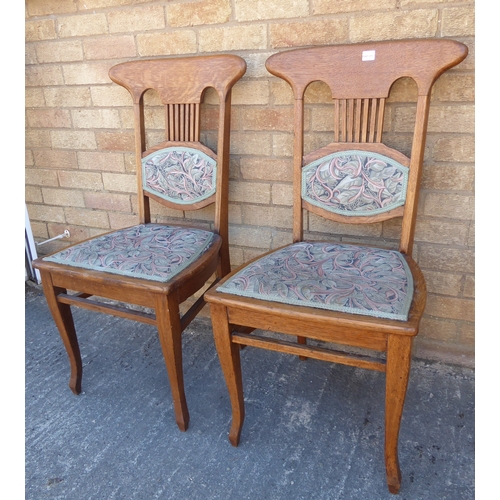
point(349, 295)
point(152, 265)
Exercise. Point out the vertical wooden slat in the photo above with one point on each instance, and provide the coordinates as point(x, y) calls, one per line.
point(171, 122)
point(336, 121)
point(176, 122)
point(364, 128)
point(344, 120)
point(373, 118)
point(350, 120)
point(380, 124)
point(167, 131)
point(181, 122)
point(197, 123)
point(191, 122)
point(357, 121)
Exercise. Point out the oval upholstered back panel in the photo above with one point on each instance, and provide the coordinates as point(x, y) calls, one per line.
point(355, 183)
point(179, 174)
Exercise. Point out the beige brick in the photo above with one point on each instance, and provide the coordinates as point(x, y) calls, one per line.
point(468, 334)
point(268, 216)
point(438, 329)
point(443, 283)
point(48, 118)
point(86, 217)
point(40, 177)
point(95, 118)
point(82, 25)
point(80, 180)
point(124, 183)
point(458, 21)
point(344, 6)
point(245, 236)
point(121, 220)
point(439, 231)
point(136, 19)
point(33, 194)
point(472, 235)
point(250, 92)
point(169, 43)
point(114, 95)
point(460, 178)
point(52, 158)
point(266, 169)
point(262, 10)
point(470, 287)
point(34, 98)
point(403, 90)
point(282, 145)
point(73, 139)
point(250, 192)
point(448, 307)
point(47, 7)
point(100, 4)
point(321, 225)
point(115, 141)
point(455, 87)
point(111, 162)
point(243, 37)
point(110, 47)
point(83, 74)
point(444, 258)
point(389, 25)
point(201, 12)
point(45, 213)
point(251, 143)
point(318, 93)
point(29, 160)
point(107, 201)
point(30, 54)
point(449, 205)
point(204, 214)
point(281, 93)
point(49, 52)
point(63, 197)
point(320, 32)
point(457, 119)
point(43, 76)
point(267, 119)
point(455, 149)
point(256, 64)
point(282, 194)
point(43, 29)
point(67, 97)
point(37, 138)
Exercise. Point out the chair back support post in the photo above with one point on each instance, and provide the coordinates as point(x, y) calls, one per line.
point(415, 176)
point(140, 147)
point(298, 153)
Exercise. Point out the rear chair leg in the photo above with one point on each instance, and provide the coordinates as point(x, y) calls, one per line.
point(170, 333)
point(397, 375)
point(65, 324)
point(229, 357)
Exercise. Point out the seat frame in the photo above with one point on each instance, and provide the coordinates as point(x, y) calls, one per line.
point(359, 89)
point(181, 84)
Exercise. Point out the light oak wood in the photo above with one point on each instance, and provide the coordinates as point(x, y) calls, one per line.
point(359, 92)
point(180, 82)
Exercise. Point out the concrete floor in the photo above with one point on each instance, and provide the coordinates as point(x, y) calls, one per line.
point(313, 430)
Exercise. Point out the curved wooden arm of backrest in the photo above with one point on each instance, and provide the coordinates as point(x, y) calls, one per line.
point(179, 80)
point(367, 70)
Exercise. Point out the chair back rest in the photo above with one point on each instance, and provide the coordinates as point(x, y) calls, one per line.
point(356, 178)
point(181, 172)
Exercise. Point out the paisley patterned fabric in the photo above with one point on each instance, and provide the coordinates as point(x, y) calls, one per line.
point(338, 277)
point(149, 251)
point(180, 175)
point(355, 183)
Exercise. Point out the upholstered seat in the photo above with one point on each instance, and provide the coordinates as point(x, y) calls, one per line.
point(149, 251)
point(345, 278)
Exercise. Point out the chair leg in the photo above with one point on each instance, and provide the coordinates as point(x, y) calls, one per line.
point(63, 319)
point(397, 375)
point(170, 334)
point(229, 357)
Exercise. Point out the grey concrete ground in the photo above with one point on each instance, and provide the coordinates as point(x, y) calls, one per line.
point(313, 430)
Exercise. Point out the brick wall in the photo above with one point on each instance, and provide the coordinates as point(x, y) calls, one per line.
point(80, 172)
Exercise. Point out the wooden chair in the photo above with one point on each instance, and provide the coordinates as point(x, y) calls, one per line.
point(335, 292)
point(156, 266)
